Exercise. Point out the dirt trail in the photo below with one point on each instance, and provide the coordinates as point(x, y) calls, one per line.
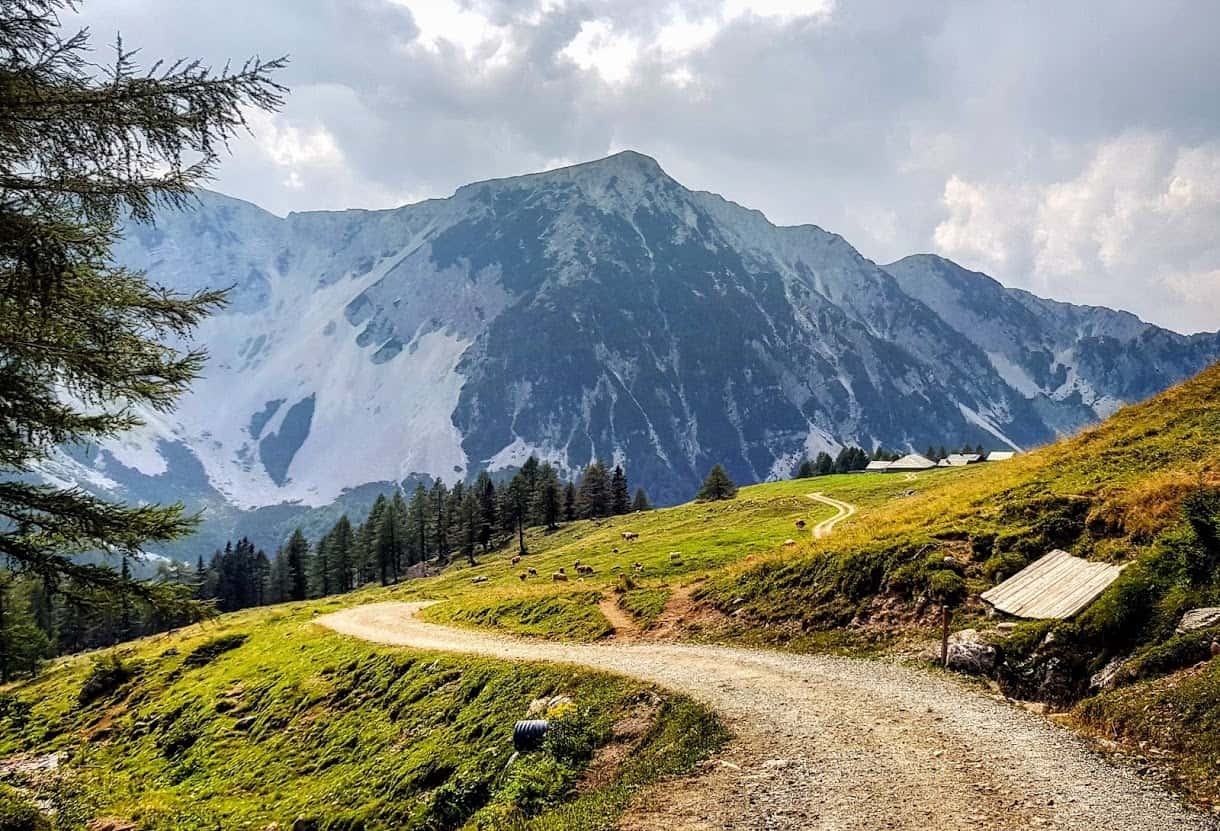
point(836, 743)
point(827, 525)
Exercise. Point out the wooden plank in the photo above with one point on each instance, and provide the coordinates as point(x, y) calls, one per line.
point(1055, 586)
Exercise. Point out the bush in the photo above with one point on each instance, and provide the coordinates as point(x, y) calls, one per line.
point(209, 651)
point(17, 813)
point(108, 674)
point(571, 739)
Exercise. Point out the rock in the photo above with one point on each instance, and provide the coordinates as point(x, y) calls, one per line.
point(970, 654)
point(1107, 677)
point(1006, 627)
point(1199, 619)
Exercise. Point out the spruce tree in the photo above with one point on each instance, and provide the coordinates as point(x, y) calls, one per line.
point(620, 494)
point(640, 503)
point(437, 499)
point(516, 507)
point(716, 486)
point(824, 465)
point(548, 498)
point(296, 556)
point(805, 469)
point(485, 490)
point(569, 502)
point(86, 346)
point(593, 494)
point(342, 544)
point(470, 525)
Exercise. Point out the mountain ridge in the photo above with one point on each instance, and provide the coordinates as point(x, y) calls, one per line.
point(597, 310)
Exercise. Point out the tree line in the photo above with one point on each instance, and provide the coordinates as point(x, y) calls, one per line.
point(434, 525)
point(855, 458)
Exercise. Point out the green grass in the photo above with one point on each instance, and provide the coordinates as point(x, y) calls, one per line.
point(645, 605)
point(206, 729)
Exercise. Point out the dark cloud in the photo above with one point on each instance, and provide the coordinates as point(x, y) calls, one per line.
point(1070, 148)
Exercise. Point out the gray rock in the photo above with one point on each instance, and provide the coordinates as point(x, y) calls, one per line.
point(1199, 619)
point(1107, 677)
point(970, 654)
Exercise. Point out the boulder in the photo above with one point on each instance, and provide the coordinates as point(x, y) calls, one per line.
point(1199, 619)
point(969, 653)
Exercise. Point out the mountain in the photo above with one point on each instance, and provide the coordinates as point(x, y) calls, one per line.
point(597, 310)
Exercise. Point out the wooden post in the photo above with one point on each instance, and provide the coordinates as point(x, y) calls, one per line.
point(944, 636)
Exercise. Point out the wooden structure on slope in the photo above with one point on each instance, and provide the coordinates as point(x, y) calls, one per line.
point(1056, 586)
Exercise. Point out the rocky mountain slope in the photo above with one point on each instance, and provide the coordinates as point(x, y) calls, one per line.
point(598, 310)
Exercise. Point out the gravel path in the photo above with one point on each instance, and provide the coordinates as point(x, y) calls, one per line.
point(845, 509)
point(837, 743)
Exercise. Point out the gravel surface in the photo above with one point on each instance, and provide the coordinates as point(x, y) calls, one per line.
point(838, 743)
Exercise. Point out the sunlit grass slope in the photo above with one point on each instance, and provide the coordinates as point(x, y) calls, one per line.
point(265, 717)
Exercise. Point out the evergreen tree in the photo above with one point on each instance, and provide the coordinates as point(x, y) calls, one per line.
point(930, 453)
point(86, 345)
point(470, 525)
point(569, 502)
point(343, 538)
point(296, 556)
point(805, 469)
point(593, 494)
point(941, 453)
point(440, 525)
point(321, 568)
point(640, 503)
point(23, 644)
point(620, 495)
point(419, 516)
point(517, 506)
point(716, 486)
point(391, 543)
point(548, 498)
point(486, 491)
point(824, 464)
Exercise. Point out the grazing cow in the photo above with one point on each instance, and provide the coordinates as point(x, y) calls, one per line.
point(559, 577)
point(576, 564)
point(800, 524)
point(516, 559)
point(523, 575)
point(533, 572)
point(584, 570)
point(629, 536)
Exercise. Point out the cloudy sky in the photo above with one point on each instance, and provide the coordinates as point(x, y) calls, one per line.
point(1069, 148)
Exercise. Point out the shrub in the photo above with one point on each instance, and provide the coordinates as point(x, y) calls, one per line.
point(17, 813)
point(570, 739)
point(109, 672)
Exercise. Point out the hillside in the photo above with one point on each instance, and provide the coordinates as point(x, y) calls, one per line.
point(310, 710)
point(266, 720)
point(602, 309)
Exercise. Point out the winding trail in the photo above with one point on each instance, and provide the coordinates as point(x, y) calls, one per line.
point(845, 509)
point(837, 743)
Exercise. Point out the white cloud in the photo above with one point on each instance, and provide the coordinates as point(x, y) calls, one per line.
point(1136, 227)
point(447, 21)
point(599, 47)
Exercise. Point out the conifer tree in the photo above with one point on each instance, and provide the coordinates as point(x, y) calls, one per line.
point(470, 525)
point(716, 486)
point(593, 493)
point(437, 500)
point(640, 503)
point(805, 469)
point(569, 502)
point(824, 465)
point(342, 544)
point(418, 518)
point(86, 345)
point(488, 509)
point(517, 506)
point(296, 556)
point(548, 498)
point(620, 495)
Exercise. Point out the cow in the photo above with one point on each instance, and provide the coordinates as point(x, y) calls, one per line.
point(629, 536)
point(516, 559)
point(559, 577)
point(480, 579)
point(523, 576)
point(800, 525)
point(533, 572)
